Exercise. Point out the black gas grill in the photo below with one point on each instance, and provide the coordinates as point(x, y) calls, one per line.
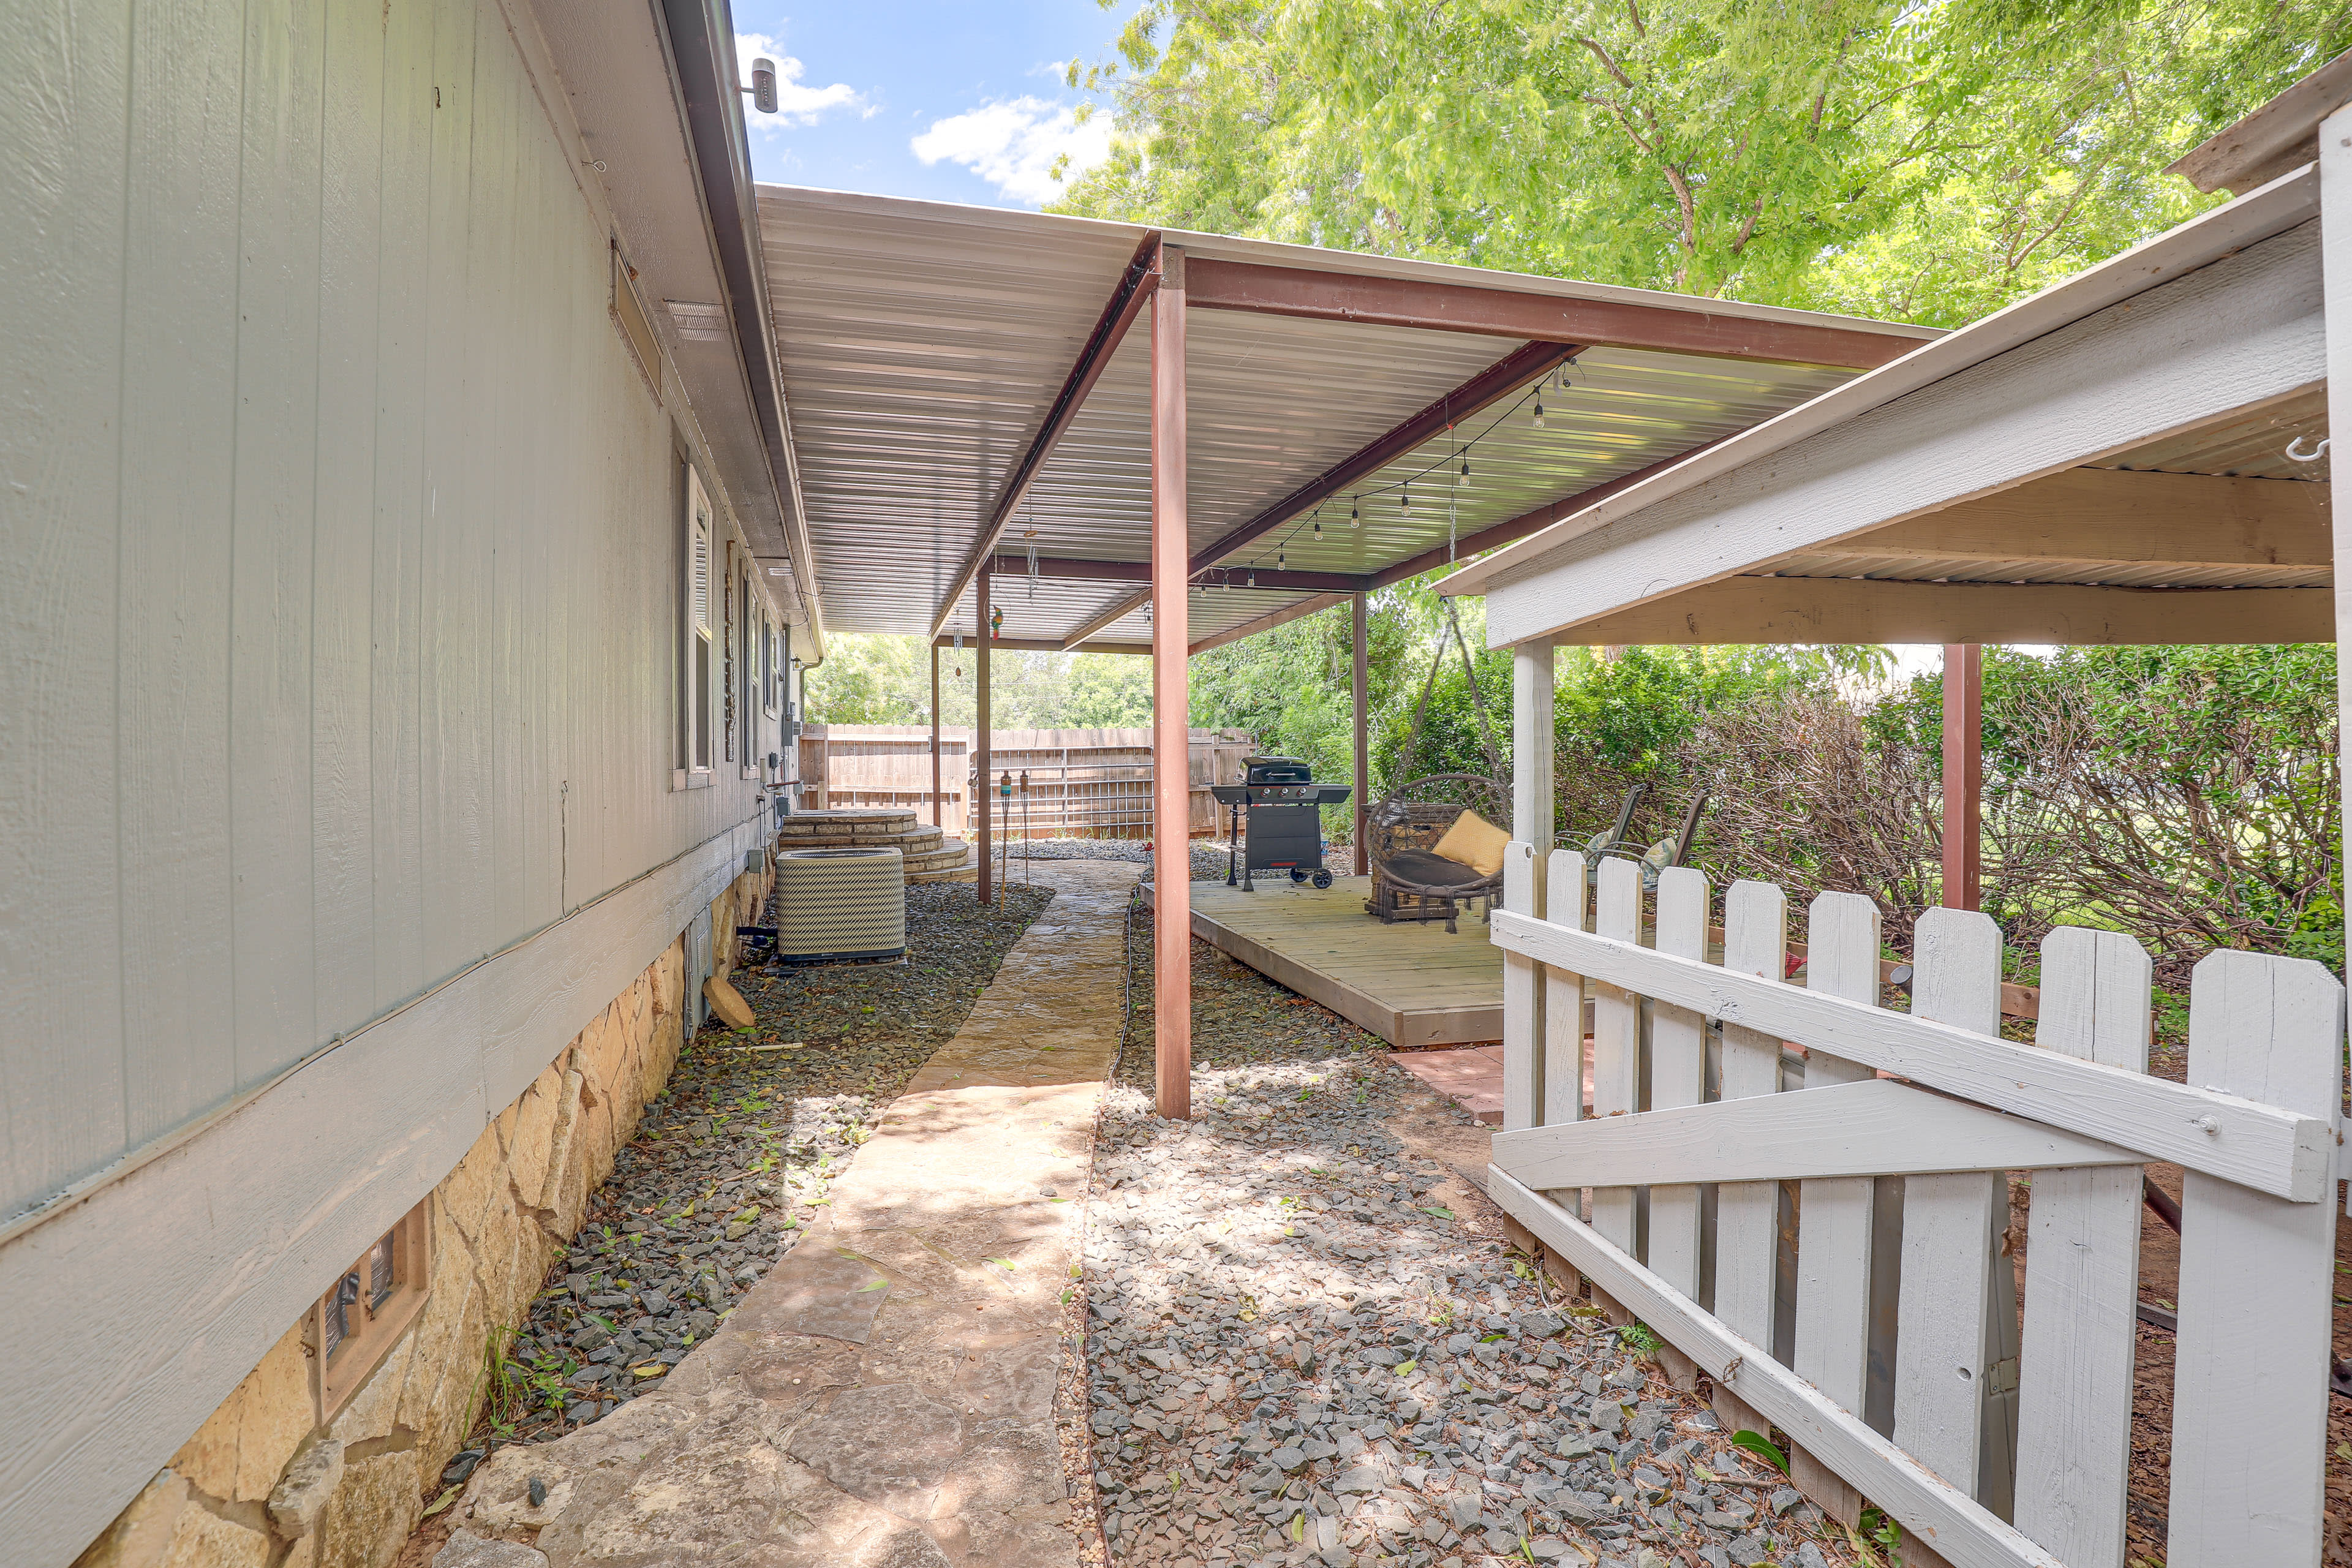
point(1279, 802)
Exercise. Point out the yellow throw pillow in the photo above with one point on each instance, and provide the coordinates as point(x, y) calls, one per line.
point(1475, 842)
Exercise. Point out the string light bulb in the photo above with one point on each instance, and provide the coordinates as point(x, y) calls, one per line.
point(1539, 424)
point(1318, 528)
point(1278, 558)
point(1355, 513)
point(1404, 499)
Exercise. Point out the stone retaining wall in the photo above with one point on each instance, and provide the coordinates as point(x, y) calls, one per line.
point(259, 1485)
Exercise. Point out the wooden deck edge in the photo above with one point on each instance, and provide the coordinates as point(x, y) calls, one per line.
point(1406, 1029)
point(1364, 1012)
point(1957, 1527)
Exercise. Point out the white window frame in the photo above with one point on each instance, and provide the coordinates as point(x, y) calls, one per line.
point(698, 652)
point(771, 659)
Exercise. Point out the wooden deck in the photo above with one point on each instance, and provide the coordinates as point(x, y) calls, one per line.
point(1412, 985)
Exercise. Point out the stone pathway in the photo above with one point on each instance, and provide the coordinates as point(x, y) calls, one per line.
point(885, 1395)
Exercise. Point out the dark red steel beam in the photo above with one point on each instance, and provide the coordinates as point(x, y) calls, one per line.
point(1268, 621)
point(1140, 572)
point(1136, 286)
point(1050, 645)
point(1506, 376)
point(1542, 317)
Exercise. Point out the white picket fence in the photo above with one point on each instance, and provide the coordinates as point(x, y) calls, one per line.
point(1991, 1453)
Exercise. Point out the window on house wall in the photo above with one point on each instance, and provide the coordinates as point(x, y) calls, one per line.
point(693, 697)
point(768, 665)
point(748, 661)
point(365, 1311)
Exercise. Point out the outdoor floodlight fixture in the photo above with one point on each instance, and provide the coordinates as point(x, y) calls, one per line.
point(763, 86)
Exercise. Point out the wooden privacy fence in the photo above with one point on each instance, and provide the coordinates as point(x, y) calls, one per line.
point(1090, 783)
point(1880, 1333)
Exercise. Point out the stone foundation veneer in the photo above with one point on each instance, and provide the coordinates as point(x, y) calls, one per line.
point(259, 1485)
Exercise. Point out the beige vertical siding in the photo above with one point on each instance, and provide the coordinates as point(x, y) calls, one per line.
point(338, 642)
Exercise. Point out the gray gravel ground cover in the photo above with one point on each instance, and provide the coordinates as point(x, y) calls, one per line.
point(731, 1160)
point(1297, 1355)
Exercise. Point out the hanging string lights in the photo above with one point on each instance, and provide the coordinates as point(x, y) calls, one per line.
point(1456, 464)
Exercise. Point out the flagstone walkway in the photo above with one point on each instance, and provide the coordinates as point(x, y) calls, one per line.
point(885, 1397)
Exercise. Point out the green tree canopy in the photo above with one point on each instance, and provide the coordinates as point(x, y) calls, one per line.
point(1921, 161)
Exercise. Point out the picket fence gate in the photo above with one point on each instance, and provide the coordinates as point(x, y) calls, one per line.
point(1993, 1449)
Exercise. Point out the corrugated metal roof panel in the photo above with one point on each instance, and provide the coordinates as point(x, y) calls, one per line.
point(923, 345)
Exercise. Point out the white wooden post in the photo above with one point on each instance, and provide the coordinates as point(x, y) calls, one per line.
point(1616, 1036)
point(1678, 1074)
point(1563, 1001)
point(1747, 1214)
point(2073, 1445)
point(2335, 286)
point(2251, 1359)
point(1523, 879)
point(1834, 1217)
point(1951, 1227)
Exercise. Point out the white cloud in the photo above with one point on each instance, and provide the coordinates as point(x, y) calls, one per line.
point(1015, 144)
point(796, 102)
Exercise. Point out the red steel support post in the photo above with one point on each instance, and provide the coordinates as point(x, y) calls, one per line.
point(1359, 687)
point(1172, 828)
point(980, 791)
point(1963, 771)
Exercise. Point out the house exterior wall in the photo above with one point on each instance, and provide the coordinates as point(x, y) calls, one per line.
point(261, 1483)
point(341, 655)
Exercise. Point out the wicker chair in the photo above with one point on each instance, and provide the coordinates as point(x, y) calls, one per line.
point(1409, 881)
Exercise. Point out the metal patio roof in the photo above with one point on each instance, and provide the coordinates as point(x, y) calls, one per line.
point(935, 357)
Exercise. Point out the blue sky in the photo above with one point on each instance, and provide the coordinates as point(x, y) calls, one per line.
point(957, 100)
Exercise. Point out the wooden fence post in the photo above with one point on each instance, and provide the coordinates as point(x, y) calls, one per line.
point(1563, 1013)
point(1617, 1041)
point(2250, 1363)
point(1836, 1220)
point(1947, 1357)
point(2073, 1449)
point(1747, 1214)
point(1523, 1044)
point(1678, 1074)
